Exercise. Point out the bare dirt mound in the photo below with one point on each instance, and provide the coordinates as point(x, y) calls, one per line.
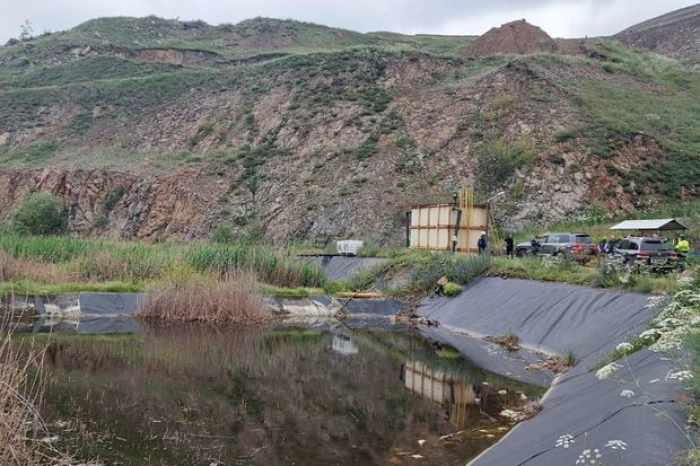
point(676, 34)
point(518, 37)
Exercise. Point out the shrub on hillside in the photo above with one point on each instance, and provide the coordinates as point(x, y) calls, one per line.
point(496, 162)
point(223, 235)
point(38, 214)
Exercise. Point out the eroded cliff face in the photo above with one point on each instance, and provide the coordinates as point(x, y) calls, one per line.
point(120, 204)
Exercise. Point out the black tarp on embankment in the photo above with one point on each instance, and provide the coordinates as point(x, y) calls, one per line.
point(590, 322)
point(552, 317)
point(339, 267)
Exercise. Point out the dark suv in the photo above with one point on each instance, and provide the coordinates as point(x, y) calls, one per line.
point(576, 244)
point(645, 251)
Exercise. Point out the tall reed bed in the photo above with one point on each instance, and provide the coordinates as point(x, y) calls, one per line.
point(20, 422)
point(228, 300)
point(70, 259)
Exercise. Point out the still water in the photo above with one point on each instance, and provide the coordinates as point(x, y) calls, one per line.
point(335, 394)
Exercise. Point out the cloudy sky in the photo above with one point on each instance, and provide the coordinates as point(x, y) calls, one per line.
point(560, 18)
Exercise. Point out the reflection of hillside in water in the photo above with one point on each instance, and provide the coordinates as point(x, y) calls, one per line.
point(195, 395)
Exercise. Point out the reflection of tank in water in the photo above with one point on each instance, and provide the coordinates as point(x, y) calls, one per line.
point(342, 341)
point(455, 393)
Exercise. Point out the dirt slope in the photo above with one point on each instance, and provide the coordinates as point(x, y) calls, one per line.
point(676, 34)
point(517, 37)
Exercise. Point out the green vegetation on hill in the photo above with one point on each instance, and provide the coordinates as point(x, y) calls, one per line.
point(99, 68)
point(646, 96)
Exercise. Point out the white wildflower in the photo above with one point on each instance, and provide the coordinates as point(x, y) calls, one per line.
point(607, 370)
point(680, 375)
point(564, 441)
point(651, 334)
point(616, 445)
point(670, 322)
point(589, 456)
point(627, 393)
point(624, 347)
point(655, 301)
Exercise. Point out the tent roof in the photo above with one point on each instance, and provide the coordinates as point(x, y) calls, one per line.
point(662, 224)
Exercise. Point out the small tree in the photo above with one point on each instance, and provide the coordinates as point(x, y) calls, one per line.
point(223, 235)
point(26, 31)
point(38, 214)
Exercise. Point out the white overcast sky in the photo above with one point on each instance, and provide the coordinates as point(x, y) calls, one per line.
point(560, 18)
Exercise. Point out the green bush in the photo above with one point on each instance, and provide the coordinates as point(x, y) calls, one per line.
point(496, 162)
point(38, 214)
point(459, 269)
point(368, 249)
point(452, 289)
point(223, 235)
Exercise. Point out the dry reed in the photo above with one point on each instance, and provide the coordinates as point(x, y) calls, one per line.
point(21, 268)
point(230, 300)
point(20, 422)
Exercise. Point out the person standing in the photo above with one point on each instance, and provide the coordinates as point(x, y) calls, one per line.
point(682, 246)
point(509, 246)
point(610, 246)
point(602, 245)
point(481, 244)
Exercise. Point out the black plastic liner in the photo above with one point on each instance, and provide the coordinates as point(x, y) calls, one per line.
point(339, 267)
point(557, 318)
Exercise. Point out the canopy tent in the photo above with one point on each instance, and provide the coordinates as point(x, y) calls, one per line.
point(667, 224)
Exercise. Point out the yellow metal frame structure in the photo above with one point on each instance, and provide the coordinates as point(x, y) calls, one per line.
point(465, 200)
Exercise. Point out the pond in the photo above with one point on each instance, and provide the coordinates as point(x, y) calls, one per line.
point(334, 393)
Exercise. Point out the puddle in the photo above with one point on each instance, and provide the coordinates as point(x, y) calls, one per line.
point(321, 394)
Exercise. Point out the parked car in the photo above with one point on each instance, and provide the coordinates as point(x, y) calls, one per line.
point(579, 245)
point(645, 251)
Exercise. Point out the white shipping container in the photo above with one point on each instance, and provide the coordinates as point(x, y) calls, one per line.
point(348, 247)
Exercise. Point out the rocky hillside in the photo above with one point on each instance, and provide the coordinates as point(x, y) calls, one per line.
point(155, 129)
point(676, 34)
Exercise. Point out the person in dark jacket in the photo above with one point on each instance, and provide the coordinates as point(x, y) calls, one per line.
point(610, 247)
point(481, 244)
point(602, 245)
point(509, 246)
point(534, 246)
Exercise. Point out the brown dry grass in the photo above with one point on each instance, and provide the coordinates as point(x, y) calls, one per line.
point(14, 268)
point(230, 300)
point(20, 422)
